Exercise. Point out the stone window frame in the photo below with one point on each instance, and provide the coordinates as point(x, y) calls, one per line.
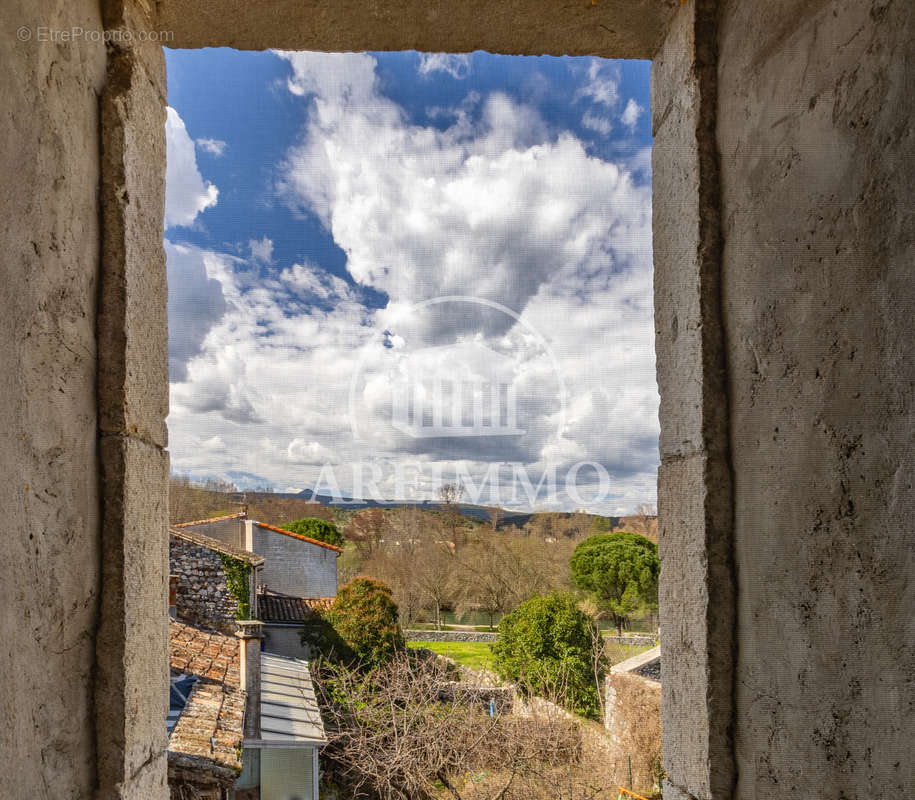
point(695, 483)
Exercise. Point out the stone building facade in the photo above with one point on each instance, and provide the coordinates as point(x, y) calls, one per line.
point(202, 595)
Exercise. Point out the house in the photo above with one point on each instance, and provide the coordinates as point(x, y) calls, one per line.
point(229, 528)
point(282, 742)
point(294, 564)
point(243, 720)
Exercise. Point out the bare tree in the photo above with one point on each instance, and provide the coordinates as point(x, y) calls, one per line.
point(395, 732)
point(367, 530)
point(486, 569)
point(450, 494)
point(435, 569)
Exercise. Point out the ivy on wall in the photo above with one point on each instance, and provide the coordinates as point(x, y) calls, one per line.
point(237, 574)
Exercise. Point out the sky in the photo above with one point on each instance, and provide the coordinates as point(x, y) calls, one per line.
point(389, 270)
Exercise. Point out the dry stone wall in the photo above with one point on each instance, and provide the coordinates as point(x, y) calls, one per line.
point(450, 636)
point(202, 594)
point(632, 717)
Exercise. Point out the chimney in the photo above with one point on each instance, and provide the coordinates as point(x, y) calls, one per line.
point(249, 633)
point(173, 596)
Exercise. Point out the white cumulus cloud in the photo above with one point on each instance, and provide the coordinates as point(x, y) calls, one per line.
point(631, 114)
point(187, 194)
point(215, 147)
point(496, 206)
point(457, 65)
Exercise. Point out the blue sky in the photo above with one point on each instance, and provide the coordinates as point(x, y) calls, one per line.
point(319, 207)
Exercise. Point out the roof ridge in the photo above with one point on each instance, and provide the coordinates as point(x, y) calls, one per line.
point(237, 515)
point(216, 545)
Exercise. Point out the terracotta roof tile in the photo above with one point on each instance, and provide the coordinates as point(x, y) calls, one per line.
point(209, 731)
point(211, 656)
point(299, 536)
point(275, 607)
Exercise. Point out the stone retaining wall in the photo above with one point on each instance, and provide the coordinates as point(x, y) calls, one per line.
point(451, 636)
point(632, 717)
point(635, 641)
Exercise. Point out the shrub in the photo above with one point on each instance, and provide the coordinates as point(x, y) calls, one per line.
point(548, 647)
point(319, 529)
point(364, 617)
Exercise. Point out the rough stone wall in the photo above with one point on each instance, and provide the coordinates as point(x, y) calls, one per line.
point(203, 598)
point(294, 567)
point(450, 636)
point(632, 717)
point(818, 163)
point(49, 492)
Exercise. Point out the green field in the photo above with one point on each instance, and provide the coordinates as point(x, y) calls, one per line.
point(620, 652)
point(475, 655)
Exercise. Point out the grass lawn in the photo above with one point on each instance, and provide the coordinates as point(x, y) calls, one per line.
point(620, 652)
point(475, 655)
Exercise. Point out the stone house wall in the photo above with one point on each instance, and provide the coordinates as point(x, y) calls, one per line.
point(202, 597)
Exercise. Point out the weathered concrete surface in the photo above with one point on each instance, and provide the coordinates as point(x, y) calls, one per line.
point(131, 692)
point(49, 492)
point(694, 481)
point(615, 28)
point(818, 163)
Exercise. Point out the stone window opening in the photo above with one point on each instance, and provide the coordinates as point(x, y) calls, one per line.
point(782, 167)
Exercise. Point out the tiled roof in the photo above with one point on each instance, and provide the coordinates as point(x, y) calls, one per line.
point(239, 515)
point(209, 655)
point(275, 607)
point(215, 544)
point(209, 732)
point(299, 536)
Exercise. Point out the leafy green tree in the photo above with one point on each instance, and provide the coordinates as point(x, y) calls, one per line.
point(548, 646)
point(621, 572)
point(364, 617)
point(319, 529)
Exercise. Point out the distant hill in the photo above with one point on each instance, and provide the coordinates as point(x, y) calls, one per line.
point(478, 512)
point(189, 500)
